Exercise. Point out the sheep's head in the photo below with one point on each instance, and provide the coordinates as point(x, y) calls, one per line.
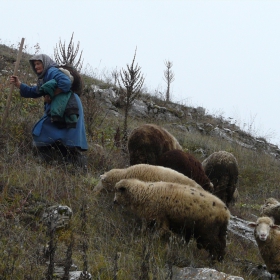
point(104, 184)
point(121, 193)
point(271, 201)
point(262, 227)
point(108, 180)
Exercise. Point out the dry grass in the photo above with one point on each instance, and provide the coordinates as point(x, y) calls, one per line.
point(113, 239)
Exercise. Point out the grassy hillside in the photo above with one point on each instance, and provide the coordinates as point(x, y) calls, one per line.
point(102, 238)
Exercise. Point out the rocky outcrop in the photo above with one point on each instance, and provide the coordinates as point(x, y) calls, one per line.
point(192, 273)
point(194, 120)
point(57, 219)
point(239, 227)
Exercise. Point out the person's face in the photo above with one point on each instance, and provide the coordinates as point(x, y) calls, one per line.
point(39, 67)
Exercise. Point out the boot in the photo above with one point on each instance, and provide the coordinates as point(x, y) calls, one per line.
point(45, 153)
point(76, 157)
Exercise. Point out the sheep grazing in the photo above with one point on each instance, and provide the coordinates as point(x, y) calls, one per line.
point(267, 235)
point(186, 164)
point(271, 208)
point(181, 209)
point(143, 172)
point(148, 142)
point(222, 170)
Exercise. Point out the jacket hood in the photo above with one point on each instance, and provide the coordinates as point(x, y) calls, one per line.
point(47, 63)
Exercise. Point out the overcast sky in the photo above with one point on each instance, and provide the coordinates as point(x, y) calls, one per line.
point(225, 54)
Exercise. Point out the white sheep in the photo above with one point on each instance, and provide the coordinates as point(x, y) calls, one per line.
point(271, 208)
point(267, 235)
point(143, 172)
point(181, 209)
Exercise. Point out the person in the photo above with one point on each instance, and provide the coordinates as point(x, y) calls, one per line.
point(56, 132)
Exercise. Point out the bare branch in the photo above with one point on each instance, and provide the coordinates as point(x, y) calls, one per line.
point(130, 81)
point(169, 77)
point(68, 57)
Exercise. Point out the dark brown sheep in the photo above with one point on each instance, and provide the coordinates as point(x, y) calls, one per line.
point(222, 170)
point(186, 164)
point(148, 142)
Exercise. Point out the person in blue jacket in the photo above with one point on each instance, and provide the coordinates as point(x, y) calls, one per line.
point(54, 131)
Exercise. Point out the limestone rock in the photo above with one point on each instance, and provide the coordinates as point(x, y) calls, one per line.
point(191, 273)
point(57, 216)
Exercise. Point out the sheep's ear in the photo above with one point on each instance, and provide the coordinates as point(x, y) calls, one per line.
point(252, 225)
point(103, 177)
point(275, 227)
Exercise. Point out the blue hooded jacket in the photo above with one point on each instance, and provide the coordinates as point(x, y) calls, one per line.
point(45, 132)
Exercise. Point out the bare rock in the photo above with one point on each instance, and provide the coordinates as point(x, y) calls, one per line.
point(240, 228)
point(57, 216)
point(191, 273)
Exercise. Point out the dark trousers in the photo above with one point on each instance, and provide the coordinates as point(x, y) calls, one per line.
point(62, 153)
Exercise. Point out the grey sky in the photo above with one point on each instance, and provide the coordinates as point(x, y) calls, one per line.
point(225, 54)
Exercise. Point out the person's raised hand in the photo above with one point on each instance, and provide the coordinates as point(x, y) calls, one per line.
point(15, 80)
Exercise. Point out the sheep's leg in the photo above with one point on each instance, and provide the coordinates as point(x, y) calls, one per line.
point(274, 268)
point(188, 236)
point(215, 244)
point(144, 226)
point(163, 229)
point(218, 246)
point(231, 187)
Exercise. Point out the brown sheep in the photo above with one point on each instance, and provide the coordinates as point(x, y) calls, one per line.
point(186, 164)
point(222, 170)
point(271, 208)
point(148, 142)
point(143, 172)
point(181, 209)
point(267, 235)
